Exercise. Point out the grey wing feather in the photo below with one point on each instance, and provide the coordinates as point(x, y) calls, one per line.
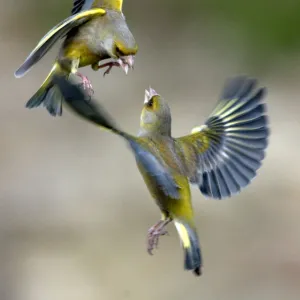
point(77, 100)
point(237, 136)
point(56, 33)
point(238, 132)
point(80, 5)
point(154, 168)
point(36, 56)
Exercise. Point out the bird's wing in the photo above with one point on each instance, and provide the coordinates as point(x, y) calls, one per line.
point(79, 103)
point(75, 99)
point(154, 168)
point(81, 5)
point(223, 155)
point(55, 34)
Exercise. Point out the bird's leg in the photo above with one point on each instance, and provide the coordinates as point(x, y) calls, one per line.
point(86, 84)
point(155, 232)
point(109, 65)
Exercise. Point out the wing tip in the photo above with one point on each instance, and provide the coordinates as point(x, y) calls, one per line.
point(262, 91)
point(19, 73)
point(23, 69)
point(240, 86)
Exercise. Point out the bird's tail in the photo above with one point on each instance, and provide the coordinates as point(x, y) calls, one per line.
point(48, 94)
point(190, 243)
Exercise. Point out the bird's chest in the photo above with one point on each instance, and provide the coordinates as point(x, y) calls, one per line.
point(168, 205)
point(93, 34)
point(77, 49)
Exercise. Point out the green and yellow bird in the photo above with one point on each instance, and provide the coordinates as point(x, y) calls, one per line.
point(220, 157)
point(95, 31)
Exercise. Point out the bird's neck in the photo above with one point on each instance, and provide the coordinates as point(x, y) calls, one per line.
point(144, 132)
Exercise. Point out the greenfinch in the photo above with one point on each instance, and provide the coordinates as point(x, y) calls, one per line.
point(221, 157)
point(95, 31)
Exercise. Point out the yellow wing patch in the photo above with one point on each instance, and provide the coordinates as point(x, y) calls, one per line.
point(198, 128)
point(61, 25)
point(53, 35)
point(113, 4)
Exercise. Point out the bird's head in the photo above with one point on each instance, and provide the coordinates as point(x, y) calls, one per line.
point(156, 115)
point(118, 41)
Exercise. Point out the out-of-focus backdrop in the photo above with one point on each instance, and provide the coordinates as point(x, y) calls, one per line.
point(74, 211)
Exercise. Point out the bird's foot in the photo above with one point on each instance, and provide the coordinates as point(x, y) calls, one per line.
point(124, 62)
point(110, 65)
point(86, 84)
point(154, 233)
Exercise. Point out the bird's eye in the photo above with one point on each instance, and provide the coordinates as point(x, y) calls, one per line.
point(150, 103)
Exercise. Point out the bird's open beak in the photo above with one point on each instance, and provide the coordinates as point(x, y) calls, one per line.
point(149, 94)
point(126, 62)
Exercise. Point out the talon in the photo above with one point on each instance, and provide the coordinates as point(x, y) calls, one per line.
point(109, 65)
point(107, 70)
point(124, 62)
point(154, 233)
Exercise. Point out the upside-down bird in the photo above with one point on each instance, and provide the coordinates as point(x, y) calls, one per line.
point(95, 31)
point(221, 157)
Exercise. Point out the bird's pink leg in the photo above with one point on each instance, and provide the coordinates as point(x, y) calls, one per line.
point(109, 65)
point(87, 85)
point(155, 232)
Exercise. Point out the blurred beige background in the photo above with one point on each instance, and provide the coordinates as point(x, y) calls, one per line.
point(74, 210)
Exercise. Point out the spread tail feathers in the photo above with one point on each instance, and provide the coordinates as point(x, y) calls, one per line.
point(48, 94)
point(190, 243)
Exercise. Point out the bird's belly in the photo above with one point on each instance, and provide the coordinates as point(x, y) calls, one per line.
point(79, 49)
point(173, 207)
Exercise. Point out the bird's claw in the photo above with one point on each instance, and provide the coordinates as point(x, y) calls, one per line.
point(124, 62)
point(153, 236)
point(107, 71)
point(86, 84)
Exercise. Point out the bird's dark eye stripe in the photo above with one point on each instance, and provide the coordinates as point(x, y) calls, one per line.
point(150, 102)
point(119, 51)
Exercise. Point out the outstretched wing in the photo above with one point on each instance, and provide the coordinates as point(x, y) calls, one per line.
point(55, 34)
point(223, 155)
point(80, 103)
